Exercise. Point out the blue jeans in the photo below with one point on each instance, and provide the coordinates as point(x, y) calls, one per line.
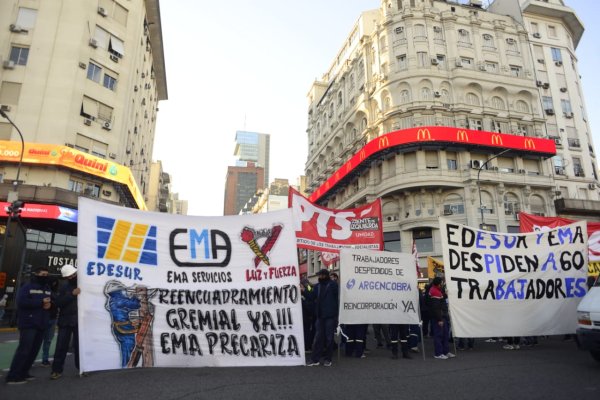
point(441, 337)
point(48, 335)
point(323, 343)
point(30, 341)
point(62, 346)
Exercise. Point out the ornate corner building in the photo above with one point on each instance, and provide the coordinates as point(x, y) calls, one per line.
point(442, 108)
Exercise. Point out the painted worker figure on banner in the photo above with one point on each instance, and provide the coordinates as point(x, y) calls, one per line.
point(131, 315)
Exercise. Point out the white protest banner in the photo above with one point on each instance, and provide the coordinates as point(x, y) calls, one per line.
point(502, 284)
point(169, 290)
point(378, 288)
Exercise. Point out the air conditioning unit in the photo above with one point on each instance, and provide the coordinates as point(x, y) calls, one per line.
point(135, 88)
point(538, 83)
point(87, 121)
point(476, 164)
point(557, 142)
point(546, 85)
point(569, 115)
point(16, 28)
point(8, 64)
point(522, 171)
point(549, 111)
point(558, 63)
point(107, 193)
point(494, 168)
point(114, 58)
point(437, 29)
point(482, 68)
point(4, 108)
point(390, 218)
point(112, 155)
point(437, 94)
point(537, 35)
point(462, 31)
point(563, 89)
point(516, 216)
point(434, 61)
point(93, 43)
point(510, 41)
point(541, 61)
point(458, 63)
point(592, 186)
point(448, 211)
point(107, 125)
point(127, 151)
point(102, 11)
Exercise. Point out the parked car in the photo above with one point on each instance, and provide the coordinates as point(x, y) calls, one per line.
point(588, 321)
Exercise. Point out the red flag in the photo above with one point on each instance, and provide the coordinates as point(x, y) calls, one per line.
point(416, 255)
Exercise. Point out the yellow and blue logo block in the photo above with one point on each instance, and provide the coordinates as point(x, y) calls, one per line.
point(126, 241)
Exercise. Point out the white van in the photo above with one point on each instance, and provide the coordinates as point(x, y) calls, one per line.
point(588, 321)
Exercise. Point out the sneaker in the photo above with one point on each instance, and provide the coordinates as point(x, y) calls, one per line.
point(491, 340)
point(45, 363)
point(450, 355)
point(55, 375)
point(363, 356)
point(508, 347)
point(29, 377)
point(414, 349)
point(327, 363)
point(16, 382)
point(516, 347)
point(313, 364)
point(441, 357)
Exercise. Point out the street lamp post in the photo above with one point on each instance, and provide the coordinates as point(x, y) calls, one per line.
point(479, 182)
point(13, 196)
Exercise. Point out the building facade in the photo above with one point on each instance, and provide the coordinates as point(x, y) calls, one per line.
point(81, 83)
point(255, 148)
point(241, 184)
point(442, 108)
point(160, 197)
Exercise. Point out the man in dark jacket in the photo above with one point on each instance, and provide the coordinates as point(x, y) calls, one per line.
point(67, 321)
point(33, 305)
point(440, 319)
point(326, 298)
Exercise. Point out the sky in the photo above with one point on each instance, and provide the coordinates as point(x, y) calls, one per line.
point(249, 64)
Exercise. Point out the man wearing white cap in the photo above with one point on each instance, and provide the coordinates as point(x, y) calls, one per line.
point(67, 320)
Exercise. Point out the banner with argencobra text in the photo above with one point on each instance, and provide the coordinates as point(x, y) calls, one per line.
point(378, 287)
point(502, 284)
point(164, 290)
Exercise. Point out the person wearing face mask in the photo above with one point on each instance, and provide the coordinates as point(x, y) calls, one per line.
point(326, 298)
point(33, 308)
point(67, 321)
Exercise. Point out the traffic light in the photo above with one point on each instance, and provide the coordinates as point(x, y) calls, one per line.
point(15, 208)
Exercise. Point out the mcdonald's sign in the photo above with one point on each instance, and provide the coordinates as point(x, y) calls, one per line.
point(529, 143)
point(362, 155)
point(497, 139)
point(462, 136)
point(423, 134)
point(383, 142)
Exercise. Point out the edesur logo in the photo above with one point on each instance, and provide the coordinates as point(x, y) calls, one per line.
point(122, 240)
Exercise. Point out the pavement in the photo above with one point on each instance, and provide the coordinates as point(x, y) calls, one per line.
point(553, 370)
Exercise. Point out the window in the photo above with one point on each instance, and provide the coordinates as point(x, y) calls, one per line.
point(391, 241)
point(475, 124)
point(438, 33)
point(110, 82)
point(512, 45)
point(498, 103)
point(400, 32)
point(423, 238)
point(422, 59)
point(454, 208)
point(10, 93)
point(488, 41)
point(451, 161)
point(404, 96)
point(402, 62)
point(420, 33)
point(521, 106)
point(464, 37)
point(491, 66)
point(577, 168)
point(93, 109)
point(19, 55)
point(26, 18)
point(556, 55)
point(472, 99)
point(109, 42)
point(467, 62)
point(86, 188)
point(551, 31)
point(547, 102)
point(94, 72)
point(425, 93)
point(516, 70)
point(535, 27)
point(91, 146)
point(566, 106)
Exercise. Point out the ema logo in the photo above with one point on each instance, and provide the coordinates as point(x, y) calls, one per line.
point(126, 241)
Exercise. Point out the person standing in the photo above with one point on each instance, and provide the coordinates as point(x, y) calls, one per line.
point(326, 297)
point(49, 333)
point(308, 311)
point(3, 301)
point(439, 316)
point(67, 321)
point(33, 305)
point(399, 333)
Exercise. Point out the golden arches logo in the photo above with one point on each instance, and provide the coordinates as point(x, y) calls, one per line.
point(529, 143)
point(423, 134)
point(362, 155)
point(462, 136)
point(384, 142)
point(497, 139)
